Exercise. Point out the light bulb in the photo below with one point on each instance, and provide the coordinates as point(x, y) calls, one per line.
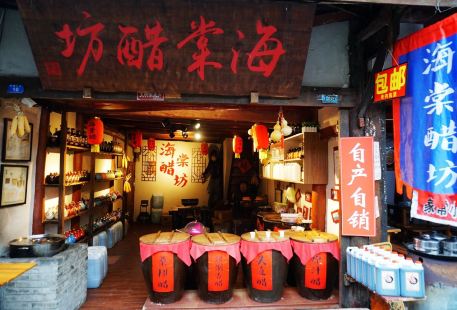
point(198, 136)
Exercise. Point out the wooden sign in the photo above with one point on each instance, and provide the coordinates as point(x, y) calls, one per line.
point(170, 46)
point(390, 83)
point(357, 187)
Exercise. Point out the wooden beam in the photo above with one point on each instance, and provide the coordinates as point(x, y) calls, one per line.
point(307, 97)
point(37, 225)
point(443, 3)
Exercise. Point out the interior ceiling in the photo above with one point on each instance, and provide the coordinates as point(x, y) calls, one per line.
point(217, 121)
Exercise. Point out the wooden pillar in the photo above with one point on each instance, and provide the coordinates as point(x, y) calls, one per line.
point(37, 225)
point(62, 165)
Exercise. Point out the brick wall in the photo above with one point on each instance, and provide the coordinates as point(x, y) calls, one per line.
point(58, 282)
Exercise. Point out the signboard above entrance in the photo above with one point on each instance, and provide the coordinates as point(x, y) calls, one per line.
point(172, 47)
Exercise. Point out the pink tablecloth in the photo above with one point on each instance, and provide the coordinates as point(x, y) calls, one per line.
point(251, 249)
point(197, 250)
point(306, 251)
point(181, 249)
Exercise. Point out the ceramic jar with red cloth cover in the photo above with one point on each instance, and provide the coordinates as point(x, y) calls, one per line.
point(315, 263)
point(265, 257)
point(164, 258)
point(217, 256)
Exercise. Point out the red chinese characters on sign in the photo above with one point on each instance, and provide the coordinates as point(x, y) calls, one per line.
point(262, 58)
point(357, 187)
point(181, 180)
point(183, 160)
point(261, 271)
point(390, 83)
point(200, 32)
point(316, 272)
point(218, 271)
point(131, 50)
point(167, 150)
point(168, 168)
point(94, 48)
point(162, 272)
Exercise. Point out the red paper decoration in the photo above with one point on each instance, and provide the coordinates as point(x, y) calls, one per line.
point(151, 144)
point(204, 148)
point(237, 145)
point(137, 138)
point(261, 137)
point(95, 129)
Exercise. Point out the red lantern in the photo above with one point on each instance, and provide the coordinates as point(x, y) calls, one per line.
point(94, 130)
point(137, 138)
point(204, 148)
point(237, 145)
point(261, 138)
point(151, 144)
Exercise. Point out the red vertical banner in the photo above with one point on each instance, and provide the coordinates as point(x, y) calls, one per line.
point(357, 187)
point(262, 272)
point(162, 272)
point(218, 271)
point(316, 272)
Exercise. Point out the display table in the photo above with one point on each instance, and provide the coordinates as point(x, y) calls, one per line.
point(10, 271)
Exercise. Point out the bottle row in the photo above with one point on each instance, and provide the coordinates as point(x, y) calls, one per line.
point(386, 272)
point(70, 177)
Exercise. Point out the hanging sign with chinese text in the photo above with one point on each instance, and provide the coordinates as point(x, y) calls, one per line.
point(357, 187)
point(170, 46)
point(390, 83)
point(425, 131)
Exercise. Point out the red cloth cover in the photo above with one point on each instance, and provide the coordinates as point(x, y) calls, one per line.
point(306, 251)
point(197, 250)
point(251, 249)
point(181, 249)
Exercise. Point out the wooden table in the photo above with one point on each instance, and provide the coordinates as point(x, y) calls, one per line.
point(10, 271)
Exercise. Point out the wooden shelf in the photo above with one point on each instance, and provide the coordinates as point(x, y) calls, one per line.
point(284, 180)
point(106, 180)
point(295, 138)
point(67, 184)
point(108, 154)
point(70, 148)
point(76, 215)
point(50, 221)
point(298, 160)
point(104, 227)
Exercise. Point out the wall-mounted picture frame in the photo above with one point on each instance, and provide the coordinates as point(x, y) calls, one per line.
point(13, 189)
point(15, 149)
point(336, 216)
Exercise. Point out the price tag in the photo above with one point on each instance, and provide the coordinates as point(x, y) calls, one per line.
point(218, 271)
point(162, 272)
point(316, 272)
point(261, 271)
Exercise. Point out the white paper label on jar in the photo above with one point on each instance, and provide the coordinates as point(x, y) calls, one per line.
point(388, 280)
point(412, 281)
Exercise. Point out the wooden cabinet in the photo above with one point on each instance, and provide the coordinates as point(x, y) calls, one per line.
point(308, 166)
point(64, 158)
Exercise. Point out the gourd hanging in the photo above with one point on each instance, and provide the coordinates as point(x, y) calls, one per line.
point(151, 144)
point(95, 130)
point(237, 145)
point(204, 148)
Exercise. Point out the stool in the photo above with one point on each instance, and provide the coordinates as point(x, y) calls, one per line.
point(144, 216)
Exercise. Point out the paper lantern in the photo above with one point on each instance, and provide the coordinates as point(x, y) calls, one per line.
point(261, 137)
point(151, 144)
point(94, 130)
point(137, 138)
point(237, 144)
point(204, 148)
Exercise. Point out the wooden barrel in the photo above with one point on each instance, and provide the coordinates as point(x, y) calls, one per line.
point(164, 272)
point(319, 276)
point(266, 274)
point(217, 270)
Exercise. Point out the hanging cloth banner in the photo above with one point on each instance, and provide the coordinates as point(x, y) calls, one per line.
point(425, 131)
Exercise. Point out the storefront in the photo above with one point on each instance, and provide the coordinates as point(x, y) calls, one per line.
point(253, 155)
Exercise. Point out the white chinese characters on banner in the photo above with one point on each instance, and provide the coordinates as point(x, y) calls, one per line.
point(441, 57)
